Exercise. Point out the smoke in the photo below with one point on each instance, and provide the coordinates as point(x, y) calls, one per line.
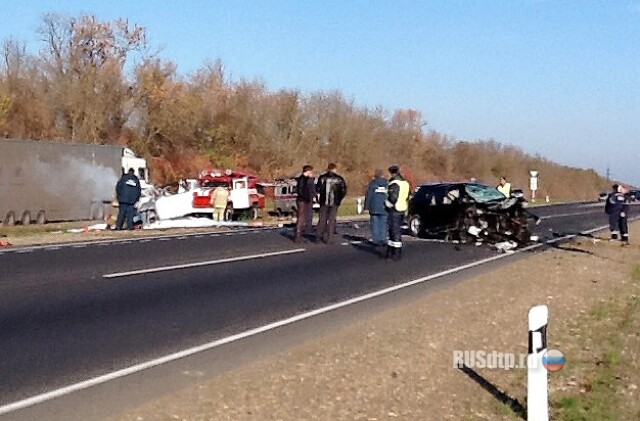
point(76, 179)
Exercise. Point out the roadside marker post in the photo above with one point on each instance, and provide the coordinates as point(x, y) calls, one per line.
point(533, 184)
point(537, 377)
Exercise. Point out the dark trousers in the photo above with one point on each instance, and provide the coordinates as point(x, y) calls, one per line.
point(327, 222)
point(618, 226)
point(395, 228)
point(304, 224)
point(379, 228)
point(125, 211)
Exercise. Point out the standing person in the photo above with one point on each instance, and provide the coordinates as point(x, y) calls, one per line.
point(331, 190)
point(397, 203)
point(306, 192)
point(219, 201)
point(128, 192)
point(504, 187)
point(374, 203)
point(617, 207)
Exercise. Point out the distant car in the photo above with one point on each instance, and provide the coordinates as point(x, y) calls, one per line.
point(602, 197)
point(634, 195)
point(468, 212)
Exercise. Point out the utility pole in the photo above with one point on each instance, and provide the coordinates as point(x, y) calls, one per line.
point(608, 174)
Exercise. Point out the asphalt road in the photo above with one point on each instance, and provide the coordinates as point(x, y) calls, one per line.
point(72, 313)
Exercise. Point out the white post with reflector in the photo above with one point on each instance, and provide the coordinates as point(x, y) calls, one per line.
point(537, 376)
point(533, 184)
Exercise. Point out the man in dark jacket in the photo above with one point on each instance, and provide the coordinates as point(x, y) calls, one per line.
point(397, 203)
point(331, 190)
point(617, 207)
point(306, 192)
point(128, 191)
point(374, 203)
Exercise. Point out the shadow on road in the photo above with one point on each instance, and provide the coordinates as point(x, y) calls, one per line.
point(502, 397)
point(362, 244)
point(290, 235)
point(569, 248)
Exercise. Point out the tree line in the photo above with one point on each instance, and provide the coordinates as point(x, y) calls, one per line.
point(100, 82)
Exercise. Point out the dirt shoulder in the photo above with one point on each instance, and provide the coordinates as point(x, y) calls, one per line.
point(399, 364)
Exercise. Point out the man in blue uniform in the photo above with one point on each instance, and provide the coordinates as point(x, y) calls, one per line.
point(374, 203)
point(128, 191)
point(617, 207)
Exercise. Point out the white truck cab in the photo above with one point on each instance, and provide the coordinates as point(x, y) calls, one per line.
point(239, 195)
point(139, 166)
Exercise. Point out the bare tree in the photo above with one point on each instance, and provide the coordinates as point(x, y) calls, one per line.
point(83, 61)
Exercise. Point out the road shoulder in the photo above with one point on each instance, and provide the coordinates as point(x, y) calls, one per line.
point(399, 365)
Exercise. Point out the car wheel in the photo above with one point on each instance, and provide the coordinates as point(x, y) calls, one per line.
point(9, 219)
point(26, 218)
point(255, 213)
point(97, 212)
point(41, 218)
point(228, 214)
point(415, 225)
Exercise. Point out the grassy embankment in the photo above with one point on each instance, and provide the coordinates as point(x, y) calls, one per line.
point(607, 355)
point(599, 380)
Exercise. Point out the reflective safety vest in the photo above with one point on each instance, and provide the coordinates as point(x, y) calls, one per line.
point(403, 196)
point(506, 189)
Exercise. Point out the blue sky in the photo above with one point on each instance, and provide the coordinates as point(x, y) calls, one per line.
point(558, 78)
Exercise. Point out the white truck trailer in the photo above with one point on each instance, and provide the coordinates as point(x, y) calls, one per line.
point(44, 181)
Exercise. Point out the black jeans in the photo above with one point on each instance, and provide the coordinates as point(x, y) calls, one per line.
point(125, 211)
point(395, 228)
point(327, 222)
point(304, 225)
point(618, 226)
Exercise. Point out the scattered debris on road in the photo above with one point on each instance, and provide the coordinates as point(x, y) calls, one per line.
point(96, 227)
point(192, 222)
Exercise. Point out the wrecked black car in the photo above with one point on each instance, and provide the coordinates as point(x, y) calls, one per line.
point(469, 212)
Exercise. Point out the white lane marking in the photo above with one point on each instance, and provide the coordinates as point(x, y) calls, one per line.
point(206, 263)
point(570, 236)
point(34, 400)
point(137, 239)
point(233, 338)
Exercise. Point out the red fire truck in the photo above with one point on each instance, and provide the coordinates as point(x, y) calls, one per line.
point(246, 196)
